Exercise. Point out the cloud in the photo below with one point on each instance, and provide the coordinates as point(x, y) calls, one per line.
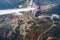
point(46, 7)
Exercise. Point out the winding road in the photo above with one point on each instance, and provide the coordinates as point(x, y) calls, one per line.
point(48, 28)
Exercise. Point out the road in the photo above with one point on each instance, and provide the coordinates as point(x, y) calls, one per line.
point(47, 29)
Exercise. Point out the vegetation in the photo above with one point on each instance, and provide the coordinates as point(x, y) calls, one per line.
point(17, 29)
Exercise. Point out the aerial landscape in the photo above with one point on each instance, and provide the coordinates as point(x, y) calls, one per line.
point(30, 20)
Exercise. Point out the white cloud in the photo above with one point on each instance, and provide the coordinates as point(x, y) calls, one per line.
point(47, 5)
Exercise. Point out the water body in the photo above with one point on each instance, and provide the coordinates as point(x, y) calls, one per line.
point(54, 10)
point(9, 4)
